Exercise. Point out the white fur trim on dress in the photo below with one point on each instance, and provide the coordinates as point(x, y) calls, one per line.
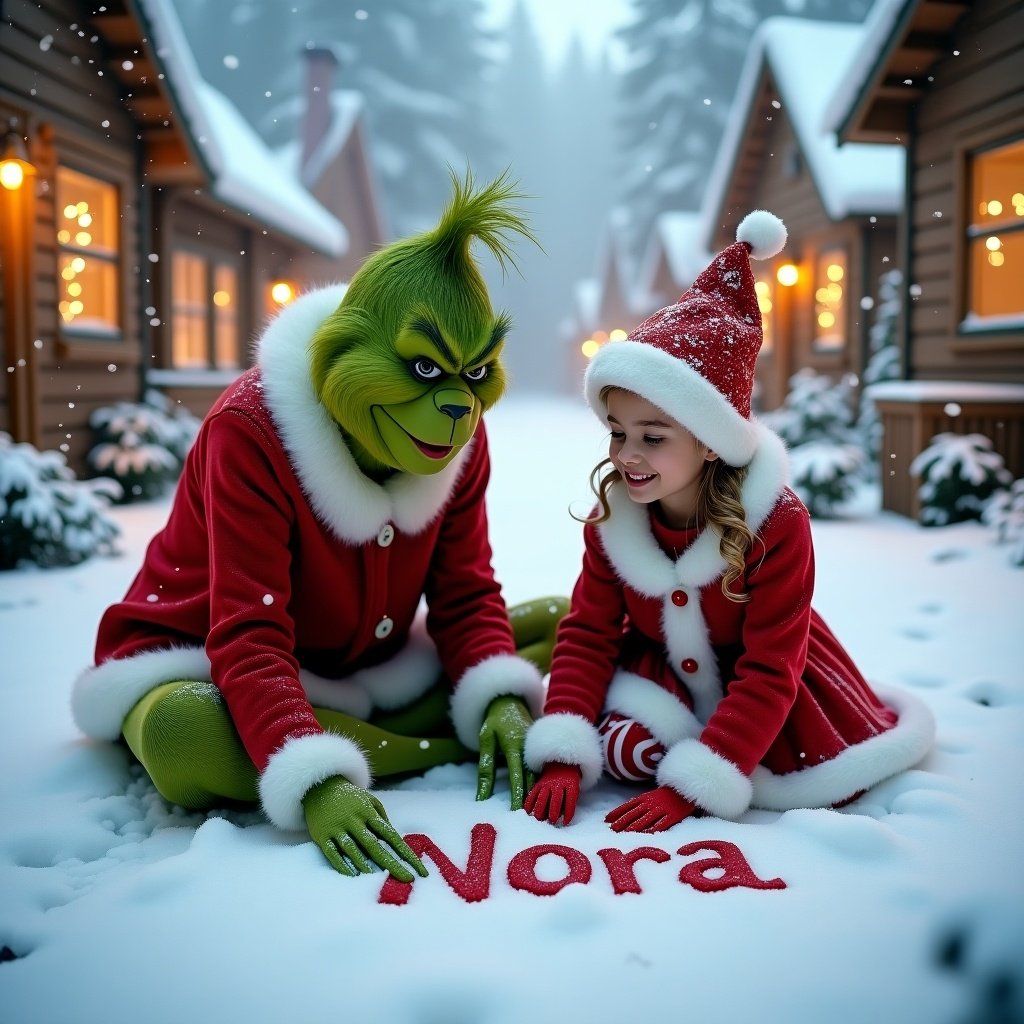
point(300, 764)
point(634, 553)
point(565, 738)
point(676, 388)
point(858, 767)
point(763, 232)
point(711, 781)
point(349, 502)
point(103, 695)
point(501, 675)
point(663, 715)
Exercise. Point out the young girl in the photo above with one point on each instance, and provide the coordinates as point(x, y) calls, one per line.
point(692, 659)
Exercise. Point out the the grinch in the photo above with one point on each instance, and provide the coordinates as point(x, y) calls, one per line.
point(269, 648)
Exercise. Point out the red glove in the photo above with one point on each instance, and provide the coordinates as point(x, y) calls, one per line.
point(654, 811)
point(555, 793)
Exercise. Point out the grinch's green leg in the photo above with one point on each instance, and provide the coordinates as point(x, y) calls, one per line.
point(425, 716)
point(183, 736)
point(534, 624)
point(390, 753)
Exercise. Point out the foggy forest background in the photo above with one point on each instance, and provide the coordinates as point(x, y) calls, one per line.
point(600, 143)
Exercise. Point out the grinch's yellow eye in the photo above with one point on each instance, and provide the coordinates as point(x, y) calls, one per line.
point(424, 369)
point(479, 374)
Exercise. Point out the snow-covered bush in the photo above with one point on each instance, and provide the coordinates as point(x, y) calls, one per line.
point(46, 515)
point(959, 473)
point(1004, 512)
point(816, 422)
point(824, 474)
point(141, 445)
point(883, 361)
point(815, 409)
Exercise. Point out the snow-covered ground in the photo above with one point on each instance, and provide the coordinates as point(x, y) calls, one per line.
point(907, 906)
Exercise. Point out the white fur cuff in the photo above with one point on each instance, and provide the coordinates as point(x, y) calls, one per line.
point(711, 781)
point(299, 765)
point(103, 695)
point(503, 675)
point(567, 739)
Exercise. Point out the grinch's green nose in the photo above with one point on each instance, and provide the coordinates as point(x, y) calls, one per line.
point(452, 403)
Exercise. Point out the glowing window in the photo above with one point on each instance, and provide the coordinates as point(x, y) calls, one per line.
point(205, 309)
point(88, 252)
point(830, 284)
point(766, 303)
point(995, 235)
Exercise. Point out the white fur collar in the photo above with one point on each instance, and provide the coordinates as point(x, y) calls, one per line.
point(353, 506)
point(634, 552)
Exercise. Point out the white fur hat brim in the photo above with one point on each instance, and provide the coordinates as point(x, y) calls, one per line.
point(678, 390)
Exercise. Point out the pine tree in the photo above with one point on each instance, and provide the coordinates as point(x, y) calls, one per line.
point(883, 359)
point(556, 124)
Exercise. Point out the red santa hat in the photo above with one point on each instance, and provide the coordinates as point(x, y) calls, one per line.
point(695, 359)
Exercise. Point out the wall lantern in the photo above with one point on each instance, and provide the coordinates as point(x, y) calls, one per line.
point(15, 165)
point(788, 274)
point(282, 292)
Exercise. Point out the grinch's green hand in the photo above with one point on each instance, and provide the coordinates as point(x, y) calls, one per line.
point(350, 826)
point(505, 726)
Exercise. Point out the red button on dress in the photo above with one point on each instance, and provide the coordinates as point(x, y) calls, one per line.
point(679, 597)
point(690, 665)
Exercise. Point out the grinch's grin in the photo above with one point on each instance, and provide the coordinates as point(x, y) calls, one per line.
point(431, 451)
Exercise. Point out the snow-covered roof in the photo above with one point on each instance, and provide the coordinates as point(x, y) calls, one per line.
point(808, 61)
point(346, 108)
point(587, 294)
point(876, 34)
point(613, 260)
point(243, 171)
point(677, 233)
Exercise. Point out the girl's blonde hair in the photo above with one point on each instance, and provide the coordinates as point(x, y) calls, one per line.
point(719, 507)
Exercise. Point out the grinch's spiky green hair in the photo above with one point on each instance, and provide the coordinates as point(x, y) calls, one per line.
point(432, 275)
point(437, 266)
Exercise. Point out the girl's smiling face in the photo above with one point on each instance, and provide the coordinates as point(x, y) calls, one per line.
point(659, 460)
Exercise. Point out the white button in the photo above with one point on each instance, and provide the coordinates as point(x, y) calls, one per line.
point(386, 535)
point(384, 627)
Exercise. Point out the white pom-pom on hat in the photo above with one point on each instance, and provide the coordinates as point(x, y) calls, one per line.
point(763, 232)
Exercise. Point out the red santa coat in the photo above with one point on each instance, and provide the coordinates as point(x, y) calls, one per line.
point(288, 577)
point(757, 703)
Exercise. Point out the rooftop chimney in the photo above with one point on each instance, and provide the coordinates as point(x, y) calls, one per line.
point(321, 63)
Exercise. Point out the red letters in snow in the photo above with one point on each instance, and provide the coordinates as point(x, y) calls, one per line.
point(474, 884)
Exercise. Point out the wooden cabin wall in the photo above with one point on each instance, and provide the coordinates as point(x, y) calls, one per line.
point(976, 99)
point(773, 175)
point(185, 219)
point(52, 80)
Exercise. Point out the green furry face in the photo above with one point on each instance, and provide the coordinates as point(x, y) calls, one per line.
point(409, 360)
point(413, 404)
